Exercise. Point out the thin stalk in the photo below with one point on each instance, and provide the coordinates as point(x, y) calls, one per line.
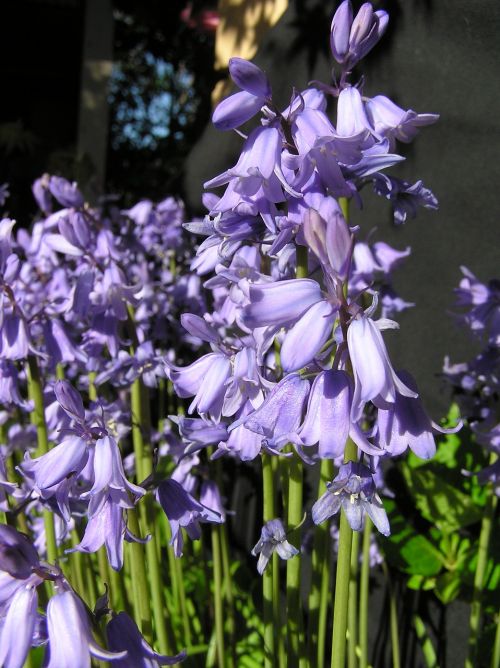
point(495, 657)
point(267, 576)
point(183, 603)
point(341, 605)
point(102, 564)
point(479, 577)
point(320, 552)
point(38, 419)
point(325, 598)
point(76, 566)
point(218, 596)
point(352, 617)
point(364, 593)
point(293, 566)
point(396, 662)
point(228, 588)
point(92, 387)
point(144, 465)
point(278, 622)
point(425, 642)
point(140, 589)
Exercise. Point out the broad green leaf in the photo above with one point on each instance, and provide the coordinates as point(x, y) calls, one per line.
point(408, 550)
point(439, 502)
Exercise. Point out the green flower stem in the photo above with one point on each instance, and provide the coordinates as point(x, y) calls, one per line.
point(144, 467)
point(92, 387)
point(396, 662)
point(320, 553)
point(302, 267)
point(495, 657)
point(293, 504)
point(38, 419)
point(326, 594)
point(425, 642)
point(278, 621)
point(140, 589)
point(364, 592)
point(269, 512)
point(218, 596)
point(183, 603)
point(293, 566)
point(480, 575)
point(342, 578)
point(352, 617)
point(102, 565)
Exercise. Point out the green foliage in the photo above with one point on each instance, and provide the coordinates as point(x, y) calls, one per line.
point(436, 543)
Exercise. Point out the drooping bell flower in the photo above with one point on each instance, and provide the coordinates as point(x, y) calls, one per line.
point(407, 425)
point(240, 107)
point(183, 512)
point(18, 556)
point(353, 490)
point(66, 193)
point(374, 377)
point(71, 643)
point(123, 635)
point(272, 539)
point(279, 417)
point(18, 626)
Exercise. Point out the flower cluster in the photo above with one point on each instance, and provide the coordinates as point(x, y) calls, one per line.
point(476, 383)
point(297, 353)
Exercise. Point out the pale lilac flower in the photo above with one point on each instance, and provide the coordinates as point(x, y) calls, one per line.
point(354, 490)
point(406, 424)
point(18, 626)
point(279, 417)
point(272, 539)
point(374, 377)
point(71, 643)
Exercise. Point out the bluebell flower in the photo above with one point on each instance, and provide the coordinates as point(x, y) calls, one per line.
point(272, 539)
point(123, 635)
point(353, 490)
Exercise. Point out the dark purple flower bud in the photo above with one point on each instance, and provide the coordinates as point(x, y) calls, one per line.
point(366, 30)
point(122, 634)
point(183, 511)
point(66, 193)
point(18, 557)
point(70, 400)
point(354, 490)
point(351, 40)
point(249, 77)
point(340, 31)
point(272, 539)
point(236, 110)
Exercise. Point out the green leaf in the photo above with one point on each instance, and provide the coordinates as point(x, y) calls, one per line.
point(439, 502)
point(448, 586)
point(420, 583)
point(408, 550)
